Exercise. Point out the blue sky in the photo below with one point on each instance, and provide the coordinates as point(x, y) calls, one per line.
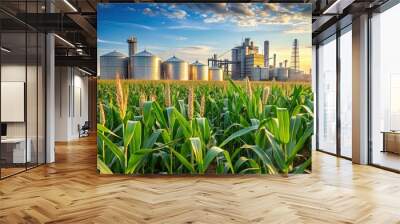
point(196, 31)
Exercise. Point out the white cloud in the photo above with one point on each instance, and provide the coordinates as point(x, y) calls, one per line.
point(189, 53)
point(298, 29)
point(173, 37)
point(172, 11)
point(155, 48)
point(196, 49)
point(214, 19)
point(131, 9)
point(187, 27)
point(128, 24)
point(110, 42)
point(245, 14)
point(177, 14)
point(149, 12)
point(250, 22)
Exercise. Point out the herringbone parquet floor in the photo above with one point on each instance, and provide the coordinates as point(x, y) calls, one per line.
point(70, 191)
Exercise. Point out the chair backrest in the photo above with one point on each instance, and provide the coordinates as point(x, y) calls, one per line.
point(86, 125)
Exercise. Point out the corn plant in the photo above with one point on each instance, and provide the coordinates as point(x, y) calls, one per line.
point(204, 127)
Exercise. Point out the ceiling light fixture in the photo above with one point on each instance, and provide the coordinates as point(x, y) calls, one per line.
point(5, 50)
point(64, 40)
point(331, 7)
point(70, 5)
point(337, 7)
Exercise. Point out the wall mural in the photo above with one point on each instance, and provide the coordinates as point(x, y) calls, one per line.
point(193, 88)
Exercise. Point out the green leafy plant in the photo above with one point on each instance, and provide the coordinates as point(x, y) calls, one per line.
point(222, 128)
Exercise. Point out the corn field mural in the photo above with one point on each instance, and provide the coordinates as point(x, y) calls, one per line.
point(204, 127)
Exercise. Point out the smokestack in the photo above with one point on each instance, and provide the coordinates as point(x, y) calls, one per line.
point(266, 53)
point(274, 60)
point(132, 42)
point(132, 47)
point(214, 64)
point(295, 56)
point(247, 41)
point(285, 63)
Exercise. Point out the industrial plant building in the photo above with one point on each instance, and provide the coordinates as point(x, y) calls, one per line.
point(246, 61)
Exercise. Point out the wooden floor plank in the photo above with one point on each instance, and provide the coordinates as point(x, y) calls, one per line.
point(71, 191)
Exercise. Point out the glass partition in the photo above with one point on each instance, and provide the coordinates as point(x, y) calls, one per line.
point(31, 98)
point(327, 96)
point(385, 89)
point(41, 97)
point(346, 93)
point(13, 92)
point(22, 95)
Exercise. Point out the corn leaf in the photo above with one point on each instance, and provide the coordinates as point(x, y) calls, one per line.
point(238, 134)
point(102, 167)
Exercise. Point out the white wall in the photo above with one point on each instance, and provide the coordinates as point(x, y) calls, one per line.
point(70, 83)
point(62, 82)
point(79, 117)
point(346, 76)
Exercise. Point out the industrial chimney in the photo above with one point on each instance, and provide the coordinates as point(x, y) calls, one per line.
point(285, 63)
point(274, 60)
point(247, 41)
point(295, 56)
point(266, 54)
point(215, 59)
point(132, 42)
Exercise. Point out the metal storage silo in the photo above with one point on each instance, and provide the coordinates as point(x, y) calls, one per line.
point(146, 66)
point(216, 74)
point(282, 74)
point(176, 69)
point(273, 73)
point(198, 71)
point(236, 58)
point(260, 73)
point(112, 64)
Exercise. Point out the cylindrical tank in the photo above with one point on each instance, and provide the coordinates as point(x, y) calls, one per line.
point(176, 69)
point(146, 66)
point(216, 74)
point(198, 71)
point(112, 64)
point(273, 73)
point(282, 74)
point(260, 73)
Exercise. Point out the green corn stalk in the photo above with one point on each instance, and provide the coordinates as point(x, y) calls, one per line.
point(237, 130)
